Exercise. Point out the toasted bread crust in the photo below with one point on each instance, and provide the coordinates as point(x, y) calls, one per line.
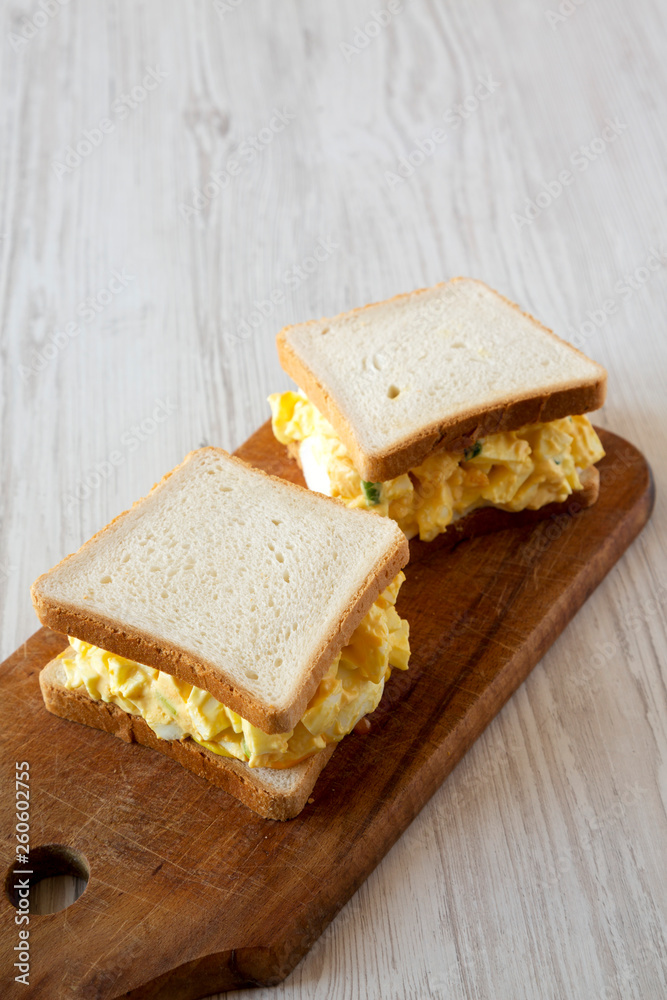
point(452, 434)
point(232, 775)
point(135, 644)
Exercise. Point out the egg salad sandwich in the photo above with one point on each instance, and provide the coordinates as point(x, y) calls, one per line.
point(235, 622)
point(435, 404)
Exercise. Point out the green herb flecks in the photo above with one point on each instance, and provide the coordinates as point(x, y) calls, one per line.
point(166, 704)
point(474, 451)
point(372, 492)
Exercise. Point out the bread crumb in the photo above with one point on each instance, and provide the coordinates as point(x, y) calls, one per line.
point(311, 800)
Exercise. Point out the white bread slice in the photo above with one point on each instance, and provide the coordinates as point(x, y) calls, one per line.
point(435, 370)
point(274, 794)
point(238, 582)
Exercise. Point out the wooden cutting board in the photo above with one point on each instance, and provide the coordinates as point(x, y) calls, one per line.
point(190, 893)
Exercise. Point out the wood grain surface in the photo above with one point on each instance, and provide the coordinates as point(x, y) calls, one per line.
point(537, 870)
point(221, 898)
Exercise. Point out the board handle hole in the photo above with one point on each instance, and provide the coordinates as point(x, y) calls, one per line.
point(56, 876)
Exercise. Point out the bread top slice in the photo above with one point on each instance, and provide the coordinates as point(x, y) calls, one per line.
point(435, 370)
point(235, 581)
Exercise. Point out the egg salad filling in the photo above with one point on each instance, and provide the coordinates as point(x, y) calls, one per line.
point(175, 709)
point(513, 470)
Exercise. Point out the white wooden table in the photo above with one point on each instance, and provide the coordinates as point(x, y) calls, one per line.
point(138, 319)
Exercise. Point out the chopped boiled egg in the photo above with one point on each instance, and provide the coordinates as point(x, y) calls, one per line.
point(175, 709)
point(514, 470)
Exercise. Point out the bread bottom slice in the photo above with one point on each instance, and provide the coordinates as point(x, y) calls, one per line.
point(271, 792)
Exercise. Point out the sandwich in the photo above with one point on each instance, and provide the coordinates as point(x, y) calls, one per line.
point(235, 622)
point(433, 405)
